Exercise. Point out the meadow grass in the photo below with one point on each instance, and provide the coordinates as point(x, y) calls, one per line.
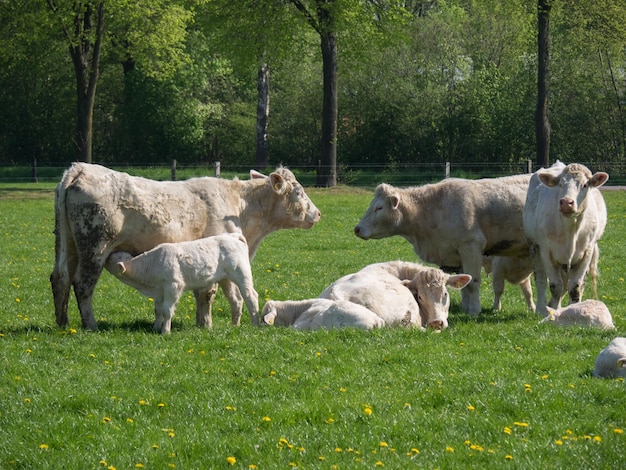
point(499, 390)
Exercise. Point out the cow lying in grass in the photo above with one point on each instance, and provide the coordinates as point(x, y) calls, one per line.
point(611, 362)
point(397, 292)
point(315, 314)
point(590, 313)
point(168, 269)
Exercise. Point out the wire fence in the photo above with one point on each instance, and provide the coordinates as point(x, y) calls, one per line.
point(362, 175)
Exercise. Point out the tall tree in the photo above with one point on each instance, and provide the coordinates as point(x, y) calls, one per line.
point(542, 116)
point(85, 45)
point(324, 21)
point(263, 113)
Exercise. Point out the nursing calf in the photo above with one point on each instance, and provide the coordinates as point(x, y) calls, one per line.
point(167, 270)
point(513, 270)
point(453, 223)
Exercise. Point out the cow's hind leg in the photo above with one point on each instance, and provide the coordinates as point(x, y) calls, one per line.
point(85, 281)
point(204, 301)
point(61, 282)
point(251, 298)
point(234, 299)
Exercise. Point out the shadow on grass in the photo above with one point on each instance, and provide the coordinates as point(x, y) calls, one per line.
point(490, 316)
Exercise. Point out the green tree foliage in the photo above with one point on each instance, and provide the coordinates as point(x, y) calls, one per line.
point(417, 82)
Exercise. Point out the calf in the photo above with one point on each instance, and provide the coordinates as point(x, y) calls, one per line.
point(564, 217)
point(590, 313)
point(401, 293)
point(315, 314)
point(168, 269)
point(513, 270)
point(453, 223)
point(611, 362)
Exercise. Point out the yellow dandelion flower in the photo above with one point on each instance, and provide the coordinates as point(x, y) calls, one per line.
point(508, 457)
point(26, 400)
point(415, 451)
point(338, 449)
point(367, 410)
point(72, 331)
point(330, 420)
point(111, 467)
point(138, 465)
point(597, 438)
point(106, 419)
point(130, 420)
point(470, 408)
point(521, 424)
point(143, 402)
point(266, 419)
point(380, 464)
point(618, 431)
point(449, 449)
point(252, 466)
point(155, 446)
point(231, 460)
point(507, 430)
point(103, 462)
point(321, 458)
point(558, 442)
point(318, 354)
point(343, 390)
point(43, 446)
point(544, 376)
point(171, 465)
point(161, 405)
point(383, 444)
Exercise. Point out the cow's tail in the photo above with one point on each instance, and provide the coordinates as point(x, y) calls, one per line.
point(64, 248)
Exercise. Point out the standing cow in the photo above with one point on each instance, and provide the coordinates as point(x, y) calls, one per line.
point(564, 217)
point(453, 223)
point(99, 211)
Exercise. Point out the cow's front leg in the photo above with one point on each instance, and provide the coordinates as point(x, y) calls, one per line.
point(557, 277)
point(204, 302)
point(577, 280)
point(472, 262)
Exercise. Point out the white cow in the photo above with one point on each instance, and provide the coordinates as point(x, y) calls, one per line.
point(590, 313)
point(315, 314)
point(564, 217)
point(611, 362)
point(513, 270)
point(453, 223)
point(401, 293)
point(99, 211)
point(168, 269)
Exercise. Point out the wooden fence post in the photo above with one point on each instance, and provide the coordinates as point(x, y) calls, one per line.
point(447, 171)
point(529, 166)
point(33, 170)
point(217, 169)
point(174, 170)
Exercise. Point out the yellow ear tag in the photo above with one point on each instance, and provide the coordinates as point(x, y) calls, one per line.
point(277, 187)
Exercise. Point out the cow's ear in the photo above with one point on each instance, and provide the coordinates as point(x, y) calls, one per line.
point(551, 313)
point(256, 175)
point(459, 281)
point(395, 201)
point(549, 180)
point(621, 363)
point(279, 185)
point(269, 318)
point(598, 179)
point(121, 269)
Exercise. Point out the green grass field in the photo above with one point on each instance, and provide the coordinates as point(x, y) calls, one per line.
point(496, 391)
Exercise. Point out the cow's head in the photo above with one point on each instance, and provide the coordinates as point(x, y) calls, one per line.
point(573, 183)
point(429, 287)
point(290, 199)
point(382, 216)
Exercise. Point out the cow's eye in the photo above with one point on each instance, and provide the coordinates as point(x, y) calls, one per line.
point(378, 208)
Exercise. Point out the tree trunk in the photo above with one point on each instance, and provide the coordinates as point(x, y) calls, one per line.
point(262, 117)
point(542, 117)
point(327, 171)
point(86, 65)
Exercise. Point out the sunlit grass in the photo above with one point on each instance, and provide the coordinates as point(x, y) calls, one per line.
point(495, 391)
